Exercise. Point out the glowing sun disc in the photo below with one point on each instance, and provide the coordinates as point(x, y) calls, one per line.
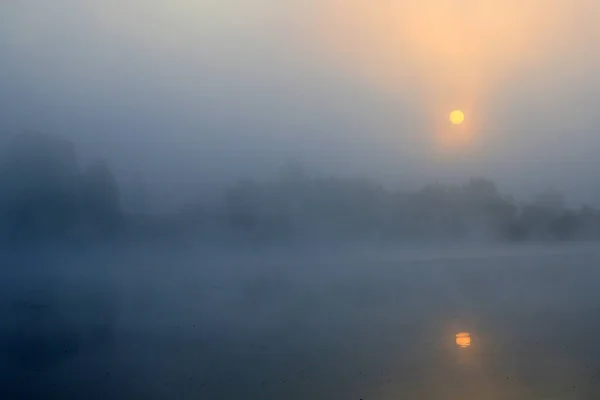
point(457, 117)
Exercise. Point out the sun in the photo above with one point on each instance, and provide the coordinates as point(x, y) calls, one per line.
point(457, 117)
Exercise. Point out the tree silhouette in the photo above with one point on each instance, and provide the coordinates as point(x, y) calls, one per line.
point(100, 199)
point(39, 181)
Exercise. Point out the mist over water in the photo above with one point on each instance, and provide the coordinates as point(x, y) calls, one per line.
point(298, 287)
point(349, 323)
point(270, 199)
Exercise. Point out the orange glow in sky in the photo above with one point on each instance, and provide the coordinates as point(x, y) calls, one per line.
point(450, 53)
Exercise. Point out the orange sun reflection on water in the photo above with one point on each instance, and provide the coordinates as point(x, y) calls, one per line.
point(463, 339)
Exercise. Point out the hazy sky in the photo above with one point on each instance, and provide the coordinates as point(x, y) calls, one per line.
point(207, 90)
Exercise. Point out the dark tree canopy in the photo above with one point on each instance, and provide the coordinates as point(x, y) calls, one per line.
point(44, 194)
point(100, 199)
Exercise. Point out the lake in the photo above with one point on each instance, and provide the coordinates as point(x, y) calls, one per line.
point(348, 323)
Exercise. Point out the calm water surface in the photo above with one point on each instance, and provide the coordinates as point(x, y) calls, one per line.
point(365, 327)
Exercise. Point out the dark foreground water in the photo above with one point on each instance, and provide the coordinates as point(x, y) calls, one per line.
point(352, 325)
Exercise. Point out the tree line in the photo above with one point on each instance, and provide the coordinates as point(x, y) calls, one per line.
point(46, 196)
